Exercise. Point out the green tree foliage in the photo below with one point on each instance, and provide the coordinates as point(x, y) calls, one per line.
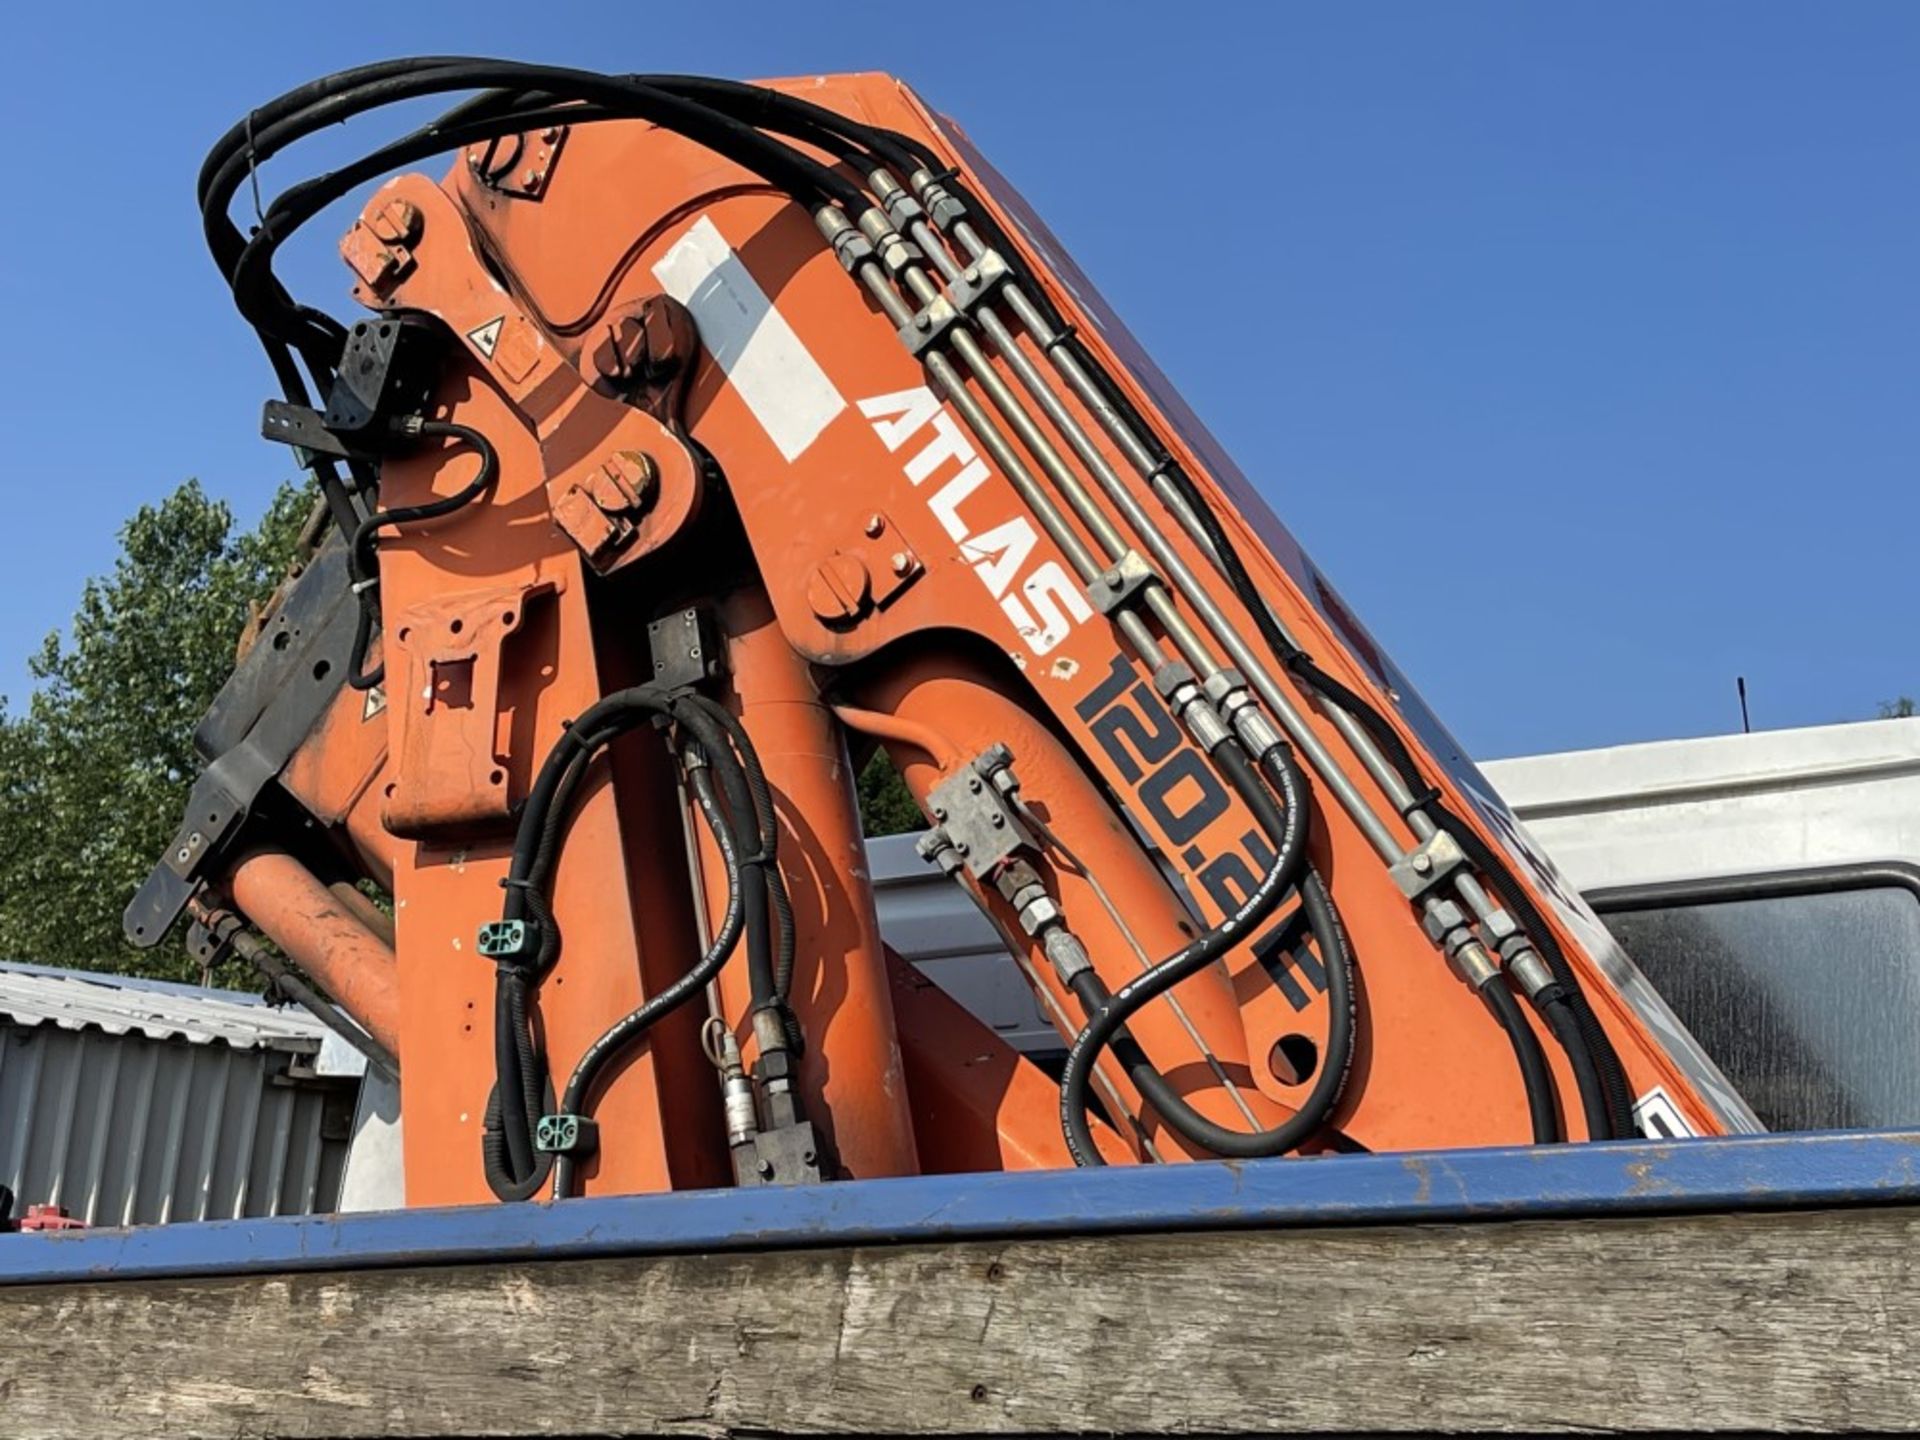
point(1901, 708)
point(886, 805)
point(94, 772)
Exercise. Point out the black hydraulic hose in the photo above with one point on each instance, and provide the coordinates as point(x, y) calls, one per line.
point(519, 1085)
point(790, 115)
point(1543, 1101)
point(1288, 830)
point(503, 1180)
point(1192, 958)
point(1336, 956)
point(782, 166)
point(1558, 1012)
point(779, 901)
point(630, 1028)
point(1592, 1037)
point(516, 1169)
point(361, 564)
point(744, 816)
point(1587, 1032)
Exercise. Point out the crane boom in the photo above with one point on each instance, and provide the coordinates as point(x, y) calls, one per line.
point(697, 439)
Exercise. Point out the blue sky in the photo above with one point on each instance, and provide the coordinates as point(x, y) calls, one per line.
point(1580, 344)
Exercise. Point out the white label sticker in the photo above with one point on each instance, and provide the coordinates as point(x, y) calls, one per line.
point(781, 382)
point(1659, 1118)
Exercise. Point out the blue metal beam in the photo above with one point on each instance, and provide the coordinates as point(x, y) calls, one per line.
point(1623, 1178)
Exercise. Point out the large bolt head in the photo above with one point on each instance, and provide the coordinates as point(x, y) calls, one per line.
point(398, 222)
point(839, 589)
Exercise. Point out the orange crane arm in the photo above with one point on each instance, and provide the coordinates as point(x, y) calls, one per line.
point(697, 435)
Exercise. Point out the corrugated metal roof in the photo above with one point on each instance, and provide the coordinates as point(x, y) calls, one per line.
point(76, 1000)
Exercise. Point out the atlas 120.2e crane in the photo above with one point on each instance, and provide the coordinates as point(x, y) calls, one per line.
point(703, 436)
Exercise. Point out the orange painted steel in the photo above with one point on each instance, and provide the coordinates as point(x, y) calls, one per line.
point(977, 1104)
point(324, 936)
point(851, 1080)
point(972, 708)
point(874, 567)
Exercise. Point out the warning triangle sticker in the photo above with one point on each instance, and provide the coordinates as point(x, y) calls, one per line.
point(487, 336)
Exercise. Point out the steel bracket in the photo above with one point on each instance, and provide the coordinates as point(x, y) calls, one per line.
point(451, 724)
point(930, 326)
point(977, 283)
point(1120, 583)
point(518, 165)
point(1427, 865)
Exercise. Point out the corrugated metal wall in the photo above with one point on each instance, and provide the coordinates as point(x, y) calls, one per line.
point(127, 1129)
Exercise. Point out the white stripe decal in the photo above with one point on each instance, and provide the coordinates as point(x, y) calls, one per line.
point(783, 385)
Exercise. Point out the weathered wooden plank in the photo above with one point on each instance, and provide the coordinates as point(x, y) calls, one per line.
point(1791, 1320)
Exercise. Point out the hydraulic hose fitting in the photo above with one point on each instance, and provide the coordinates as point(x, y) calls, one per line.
point(902, 209)
point(1516, 951)
point(942, 208)
point(1473, 964)
point(896, 253)
point(769, 1030)
point(1228, 692)
point(850, 247)
point(1040, 916)
point(1177, 686)
point(1020, 886)
point(1067, 954)
point(1446, 923)
point(1525, 966)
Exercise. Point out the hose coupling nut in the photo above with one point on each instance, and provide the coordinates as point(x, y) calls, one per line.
point(936, 847)
point(1499, 927)
point(1068, 956)
point(1443, 921)
point(895, 251)
point(1525, 967)
point(850, 247)
point(902, 209)
point(940, 202)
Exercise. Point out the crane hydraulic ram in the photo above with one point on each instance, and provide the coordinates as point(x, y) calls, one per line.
point(697, 438)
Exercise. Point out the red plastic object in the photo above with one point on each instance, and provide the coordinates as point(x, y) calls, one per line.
point(49, 1217)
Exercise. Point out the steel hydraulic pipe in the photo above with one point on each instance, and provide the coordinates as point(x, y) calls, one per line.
point(873, 277)
point(290, 906)
point(1142, 458)
point(1378, 834)
point(1365, 749)
point(1111, 539)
